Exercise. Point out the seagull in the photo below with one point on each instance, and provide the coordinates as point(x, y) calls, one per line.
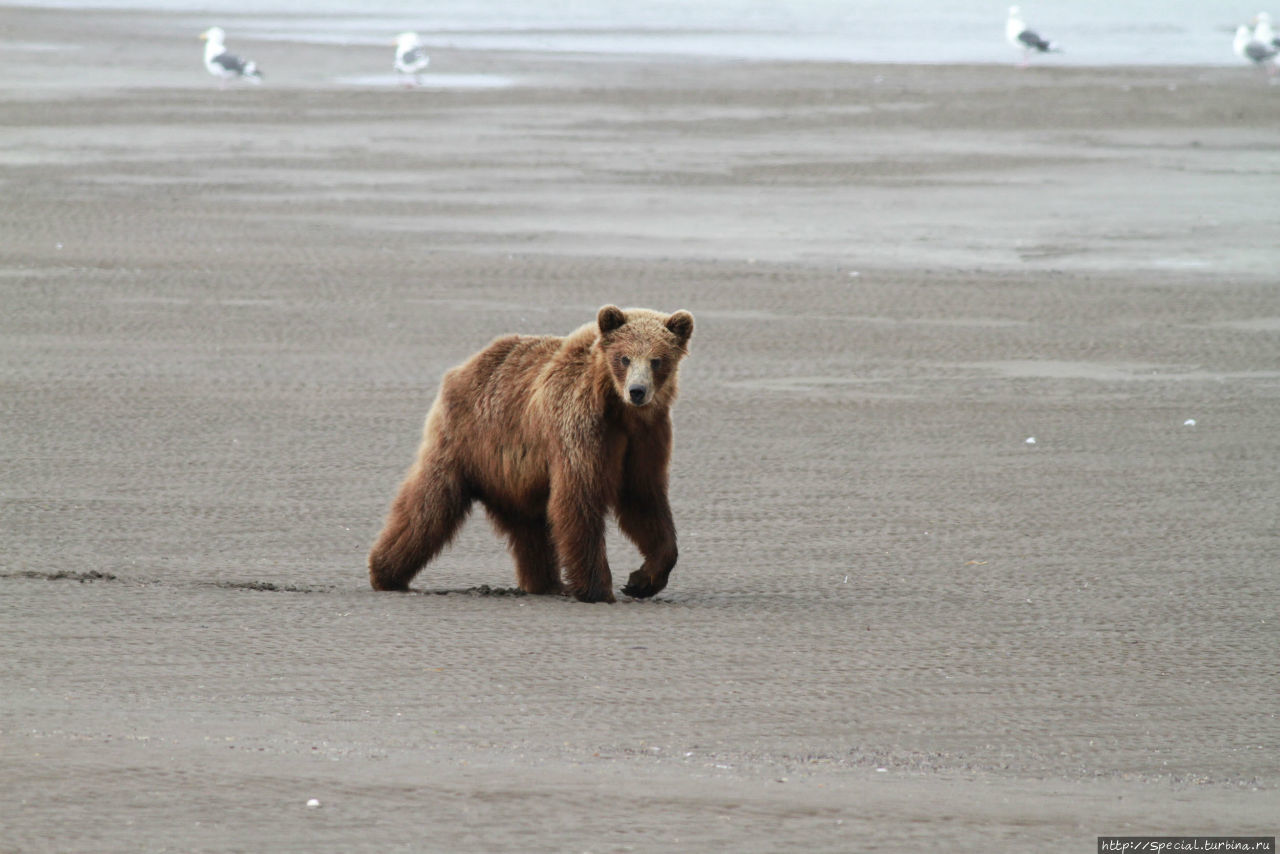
point(1015, 30)
point(1262, 31)
point(223, 65)
point(411, 57)
point(1261, 54)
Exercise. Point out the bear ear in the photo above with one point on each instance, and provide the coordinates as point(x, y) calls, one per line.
point(610, 318)
point(681, 325)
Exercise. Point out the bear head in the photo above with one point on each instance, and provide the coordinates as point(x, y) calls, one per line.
point(642, 349)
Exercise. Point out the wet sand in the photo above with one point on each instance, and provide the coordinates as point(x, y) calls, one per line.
point(895, 623)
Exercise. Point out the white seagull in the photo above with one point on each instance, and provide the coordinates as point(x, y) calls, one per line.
point(1015, 30)
point(1262, 31)
point(411, 58)
point(1261, 54)
point(223, 65)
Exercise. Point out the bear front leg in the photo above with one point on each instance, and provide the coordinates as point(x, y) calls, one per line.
point(645, 517)
point(644, 513)
point(576, 514)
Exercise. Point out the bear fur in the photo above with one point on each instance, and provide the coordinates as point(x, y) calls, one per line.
point(550, 434)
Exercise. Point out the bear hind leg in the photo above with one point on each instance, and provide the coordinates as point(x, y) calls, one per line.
point(537, 565)
point(427, 512)
point(577, 529)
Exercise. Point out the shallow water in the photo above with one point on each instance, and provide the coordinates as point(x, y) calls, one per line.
point(1092, 32)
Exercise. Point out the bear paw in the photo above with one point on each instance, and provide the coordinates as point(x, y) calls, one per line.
point(641, 585)
point(605, 596)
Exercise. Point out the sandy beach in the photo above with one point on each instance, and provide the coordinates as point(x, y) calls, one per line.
point(897, 622)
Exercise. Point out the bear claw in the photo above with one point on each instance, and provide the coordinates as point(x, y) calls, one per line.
point(637, 590)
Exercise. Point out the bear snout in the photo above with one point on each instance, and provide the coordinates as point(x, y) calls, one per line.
point(638, 393)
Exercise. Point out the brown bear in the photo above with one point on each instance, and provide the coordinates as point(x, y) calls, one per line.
point(550, 434)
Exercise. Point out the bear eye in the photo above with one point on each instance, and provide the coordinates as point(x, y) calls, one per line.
point(625, 361)
point(655, 364)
